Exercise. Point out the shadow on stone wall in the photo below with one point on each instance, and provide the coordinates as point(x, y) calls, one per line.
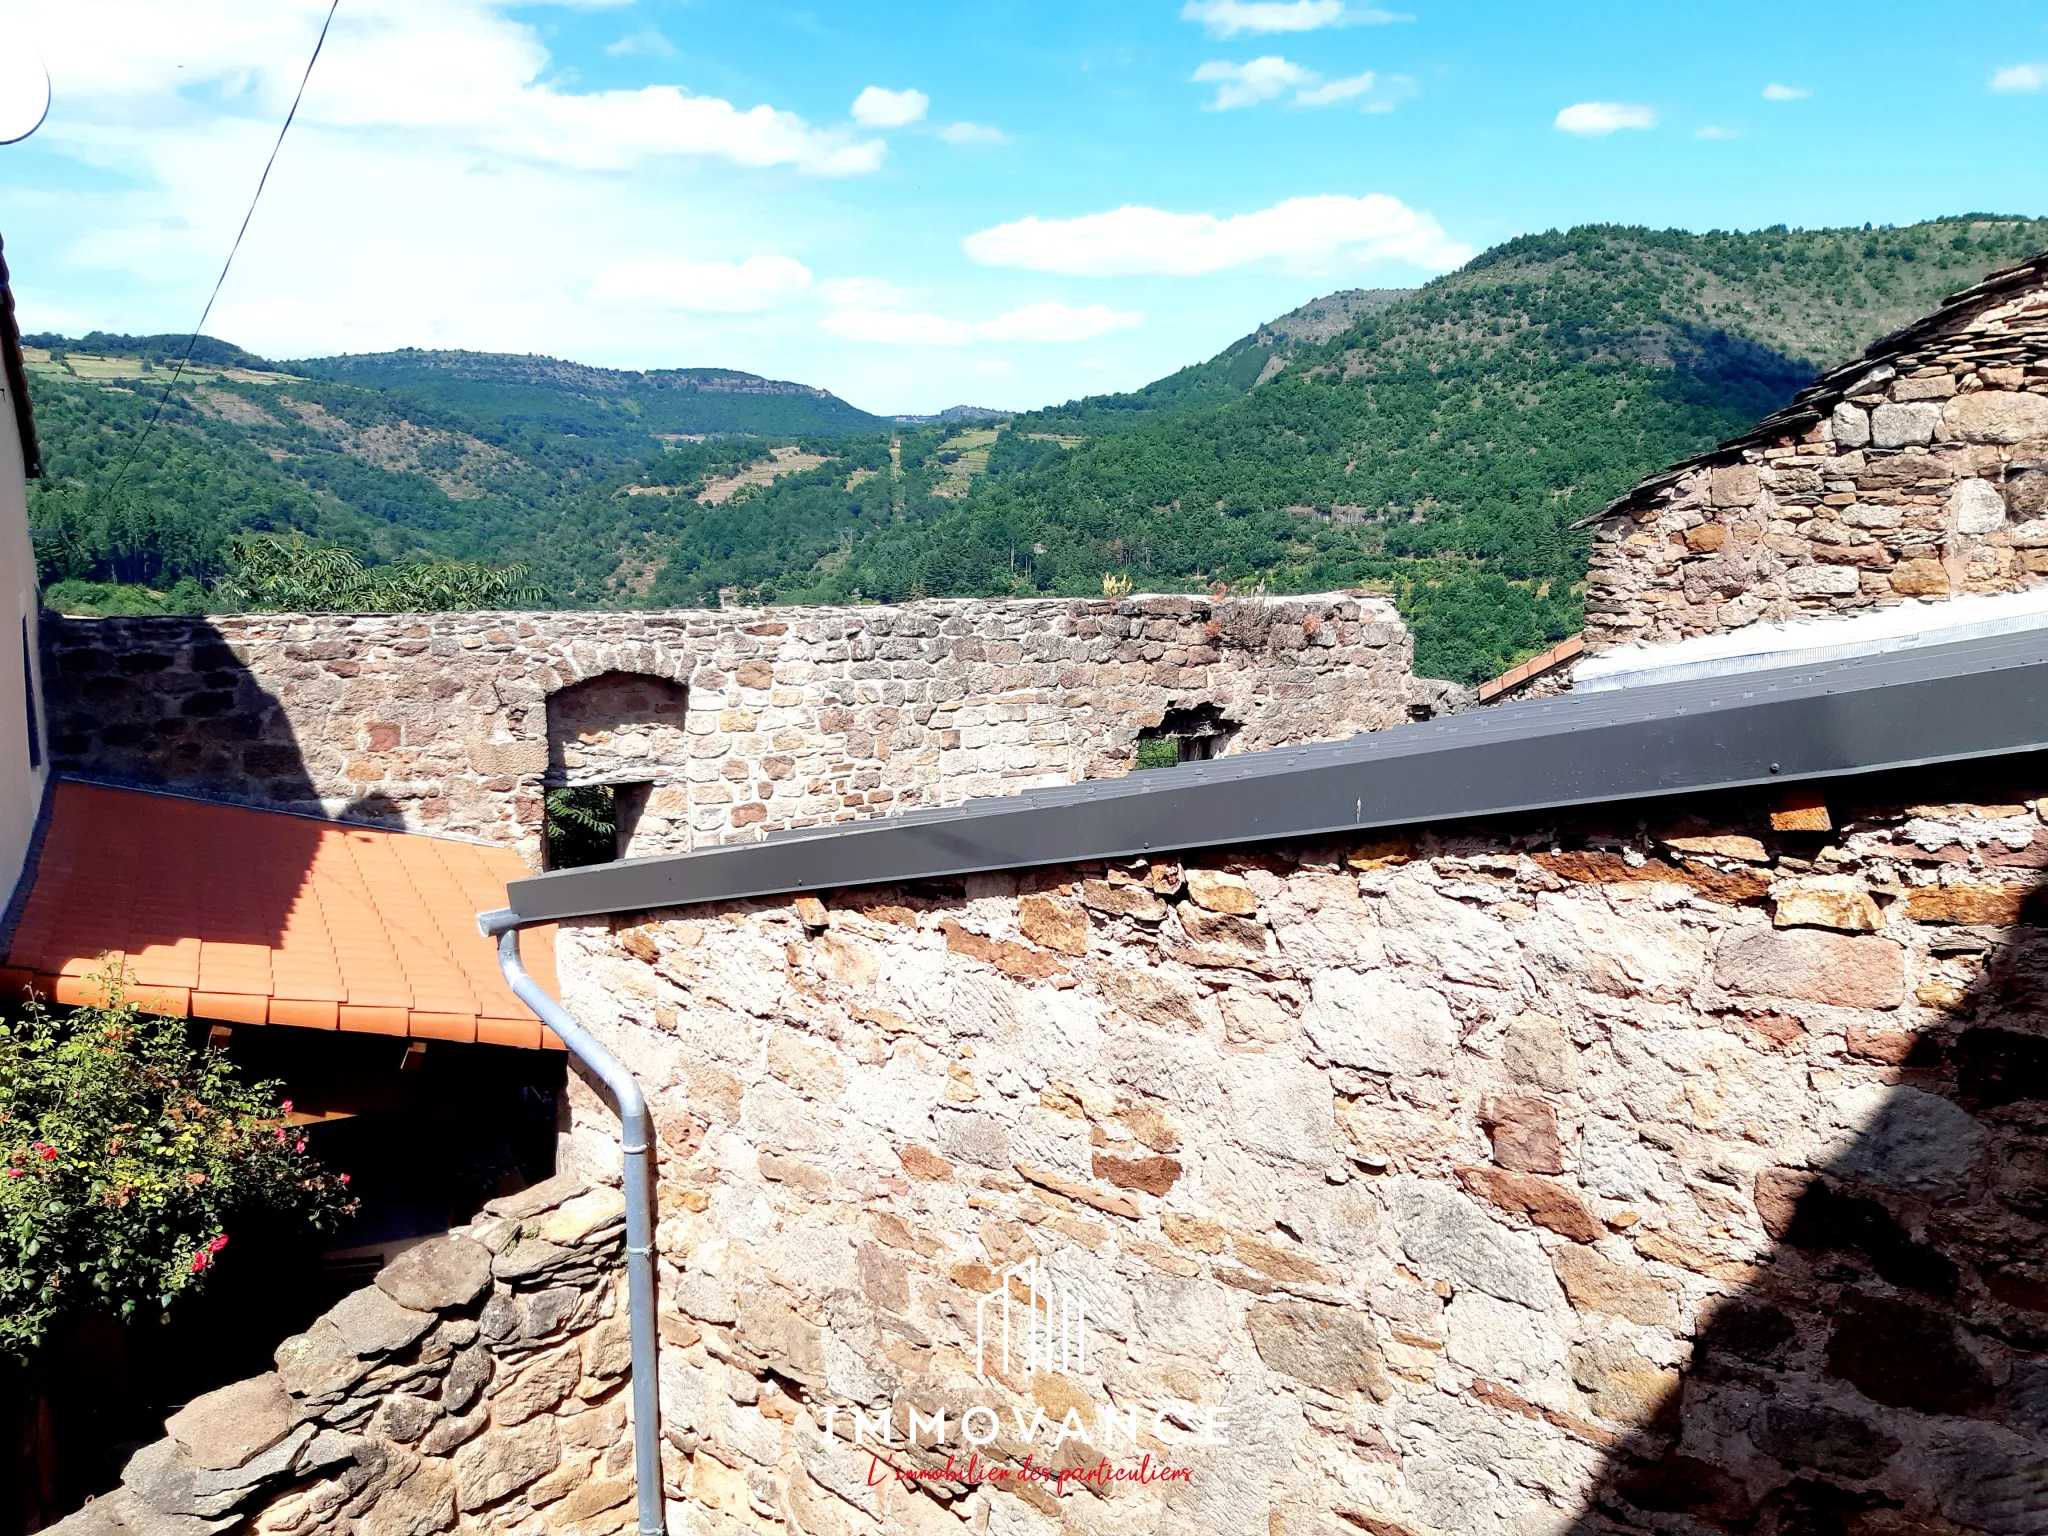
point(1884, 1372)
point(204, 726)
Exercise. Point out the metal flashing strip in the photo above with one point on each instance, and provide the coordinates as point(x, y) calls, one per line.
point(1985, 697)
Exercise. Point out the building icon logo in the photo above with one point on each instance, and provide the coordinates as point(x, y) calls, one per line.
point(1029, 1323)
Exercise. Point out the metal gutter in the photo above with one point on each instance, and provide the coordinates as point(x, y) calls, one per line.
point(636, 1134)
point(1984, 697)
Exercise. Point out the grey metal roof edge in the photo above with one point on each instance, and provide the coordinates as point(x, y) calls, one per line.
point(1938, 704)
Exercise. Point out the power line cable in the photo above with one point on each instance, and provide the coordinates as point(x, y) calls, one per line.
point(192, 343)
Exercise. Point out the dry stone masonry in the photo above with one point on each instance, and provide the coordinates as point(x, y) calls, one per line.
point(731, 723)
point(1647, 1174)
point(480, 1384)
point(1920, 472)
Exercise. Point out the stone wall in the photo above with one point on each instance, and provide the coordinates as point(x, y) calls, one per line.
point(441, 723)
point(481, 1382)
point(1925, 478)
point(1639, 1174)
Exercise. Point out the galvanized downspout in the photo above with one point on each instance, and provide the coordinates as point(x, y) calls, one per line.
point(636, 1129)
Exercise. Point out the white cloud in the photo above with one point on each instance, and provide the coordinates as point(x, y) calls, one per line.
point(1598, 118)
point(1246, 85)
point(459, 74)
point(2020, 77)
point(1711, 131)
point(647, 41)
point(879, 108)
point(705, 287)
point(966, 135)
point(1227, 18)
point(1049, 322)
point(1333, 91)
point(1263, 79)
point(1303, 233)
point(1777, 92)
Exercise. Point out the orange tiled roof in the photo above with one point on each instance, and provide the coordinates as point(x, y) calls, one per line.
point(1535, 666)
point(256, 917)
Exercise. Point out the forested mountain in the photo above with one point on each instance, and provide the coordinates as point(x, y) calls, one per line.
point(1438, 442)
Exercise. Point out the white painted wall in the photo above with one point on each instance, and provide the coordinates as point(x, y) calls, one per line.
point(21, 780)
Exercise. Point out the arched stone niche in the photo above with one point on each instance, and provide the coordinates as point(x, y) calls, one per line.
point(627, 730)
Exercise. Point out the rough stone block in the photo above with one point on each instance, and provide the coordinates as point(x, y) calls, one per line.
point(1976, 506)
point(1902, 426)
point(503, 1461)
point(441, 1273)
point(1808, 963)
point(1997, 416)
point(1334, 1349)
point(226, 1427)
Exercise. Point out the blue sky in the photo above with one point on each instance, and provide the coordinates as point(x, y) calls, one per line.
point(917, 204)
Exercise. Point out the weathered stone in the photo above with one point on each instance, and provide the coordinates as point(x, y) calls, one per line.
point(539, 1387)
point(1501, 1341)
point(503, 1461)
point(577, 1219)
point(374, 1324)
point(1825, 901)
point(1074, 1189)
point(468, 1374)
point(441, 1273)
point(1904, 1356)
point(530, 1258)
point(1971, 904)
point(1903, 426)
point(1906, 1139)
point(1123, 901)
point(319, 1362)
point(1997, 416)
point(1822, 581)
point(403, 1417)
point(1851, 425)
point(1548, 1205)
point(544, 1196)
point(1621, 1385)
point(1220, 892)
point(608, 1350)
point(1334, 1349)
point(1820, 967)
point(1919, 578)
point(1379, 1024)
point(1537, 1051)
point(1450, 1238)
point(1596, 1283)
point(421, 1503)
point(1975, 506)
point(1524, 1133)
point(1053, 924)
point(446, 1435)
point(1151, 1175)
point(227, 1427)
point(1736, 485)
point(1809, 1435)
point(1727, 845)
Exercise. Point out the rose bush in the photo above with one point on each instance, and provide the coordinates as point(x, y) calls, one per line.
point(126, 1153)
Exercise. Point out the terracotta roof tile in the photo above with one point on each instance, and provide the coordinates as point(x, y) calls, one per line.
point(254, 917)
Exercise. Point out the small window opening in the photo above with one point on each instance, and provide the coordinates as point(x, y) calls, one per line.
point(28, 692)
point(592, 823)
point(1192, 735)
point(582, 826)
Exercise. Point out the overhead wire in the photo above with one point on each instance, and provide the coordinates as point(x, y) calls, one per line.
point(192, 342)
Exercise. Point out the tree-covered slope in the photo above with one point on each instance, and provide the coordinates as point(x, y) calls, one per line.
point(1446, 442)
point(1438, 443)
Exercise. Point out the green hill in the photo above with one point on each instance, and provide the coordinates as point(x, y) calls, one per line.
point(1438, 443)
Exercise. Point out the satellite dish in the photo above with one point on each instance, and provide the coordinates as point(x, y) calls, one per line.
point(24, 94)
